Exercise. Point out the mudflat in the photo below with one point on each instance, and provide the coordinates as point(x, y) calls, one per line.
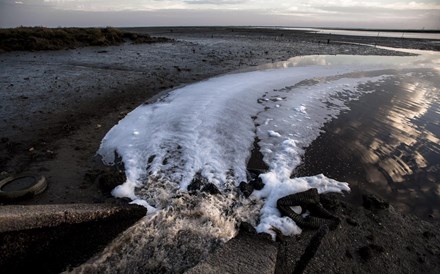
point(56, 106)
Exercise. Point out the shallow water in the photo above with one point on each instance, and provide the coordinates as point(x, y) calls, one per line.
point(395, 34)
point(207, 131)
point(388, 143)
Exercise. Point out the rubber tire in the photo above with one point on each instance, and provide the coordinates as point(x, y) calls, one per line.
point(39, 185)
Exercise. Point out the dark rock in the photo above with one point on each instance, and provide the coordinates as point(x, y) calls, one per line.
point(256, 172)
point(265, 236)
point(257, 183)
point(199, 184)
point(107, 181)
point(251, 174)
point(211, 189)
point(373, 202)
point(195, 184)
point(247, 228)
point(246, 189)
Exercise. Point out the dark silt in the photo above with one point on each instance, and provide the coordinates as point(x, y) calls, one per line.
point(387, 143)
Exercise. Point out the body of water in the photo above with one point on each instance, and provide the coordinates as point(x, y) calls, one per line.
point(394, 34)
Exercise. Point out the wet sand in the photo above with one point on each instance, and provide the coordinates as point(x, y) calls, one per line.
point(57, 106)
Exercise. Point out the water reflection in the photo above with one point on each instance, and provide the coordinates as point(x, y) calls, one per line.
point(395, 34)
point(414, 59)
point(388, 143)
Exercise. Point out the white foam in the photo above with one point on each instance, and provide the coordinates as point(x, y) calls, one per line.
point(208, 128)
point(273, 133)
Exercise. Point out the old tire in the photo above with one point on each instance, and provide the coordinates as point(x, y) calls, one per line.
point(27, 186)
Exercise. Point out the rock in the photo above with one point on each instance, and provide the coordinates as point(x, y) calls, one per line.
point(246, 189)
point(107, 181)
point(247, 228)
point(198, 184)
point(257, 183)
point(195, 184)
point(373, 202)
point(211, 189)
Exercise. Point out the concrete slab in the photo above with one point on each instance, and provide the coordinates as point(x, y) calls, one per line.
point(53, 238)
point(20, 217)
point(246, 253)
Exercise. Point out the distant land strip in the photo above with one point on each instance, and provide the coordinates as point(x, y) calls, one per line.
point(42, 38)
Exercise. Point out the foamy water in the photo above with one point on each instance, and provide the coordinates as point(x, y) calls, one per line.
point(207, 130)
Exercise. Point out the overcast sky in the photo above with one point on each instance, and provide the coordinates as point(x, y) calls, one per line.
point(313, 13)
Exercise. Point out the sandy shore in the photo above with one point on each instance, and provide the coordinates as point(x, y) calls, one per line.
point(57, 106)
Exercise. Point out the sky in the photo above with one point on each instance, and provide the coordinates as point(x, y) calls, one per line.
point(399, 14)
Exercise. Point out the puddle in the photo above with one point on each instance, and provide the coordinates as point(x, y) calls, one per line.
point(388, 143)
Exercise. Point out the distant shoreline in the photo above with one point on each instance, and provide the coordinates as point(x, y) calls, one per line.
point(42, 38)
point(386, 30)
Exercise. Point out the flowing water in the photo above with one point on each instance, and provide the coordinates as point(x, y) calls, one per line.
point(206, 133)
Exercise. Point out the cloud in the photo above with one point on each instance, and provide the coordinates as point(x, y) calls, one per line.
point(261, 5)
point(389, 13)
point(214, 2)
